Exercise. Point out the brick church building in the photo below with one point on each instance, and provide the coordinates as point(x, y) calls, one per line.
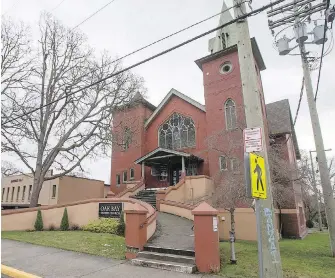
point(182, 137)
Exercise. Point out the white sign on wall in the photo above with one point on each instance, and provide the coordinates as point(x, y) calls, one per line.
point(215, 224)
point(252, 139)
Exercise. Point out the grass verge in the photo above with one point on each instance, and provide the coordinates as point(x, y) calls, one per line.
point(307, 258)
point(106, 245)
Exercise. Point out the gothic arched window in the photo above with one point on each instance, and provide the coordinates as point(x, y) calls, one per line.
point(177, 132)
point(230, 110)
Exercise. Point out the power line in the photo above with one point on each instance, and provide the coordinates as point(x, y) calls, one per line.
point(56, 7)
point(300, 98)
point(153, 57)
point(11, 7)
point(323, 48)
point(86, 19)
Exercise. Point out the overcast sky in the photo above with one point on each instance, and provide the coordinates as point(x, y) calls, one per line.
point(126, 25)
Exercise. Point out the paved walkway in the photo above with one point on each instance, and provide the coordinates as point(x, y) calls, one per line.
point(173, 232)
point(51, 262)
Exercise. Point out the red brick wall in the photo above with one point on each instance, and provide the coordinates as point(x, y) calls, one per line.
point(124, 160)
point(218, 88)
point(182, 107)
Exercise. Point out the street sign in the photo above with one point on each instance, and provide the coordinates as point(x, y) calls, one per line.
point(252, 139)
point(257, 176)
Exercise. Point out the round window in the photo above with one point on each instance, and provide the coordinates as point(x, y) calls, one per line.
point(226, 67)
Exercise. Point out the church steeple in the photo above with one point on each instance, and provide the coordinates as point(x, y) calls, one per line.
point(224, 37)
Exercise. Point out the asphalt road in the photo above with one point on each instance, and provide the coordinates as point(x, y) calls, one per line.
point(55, 263)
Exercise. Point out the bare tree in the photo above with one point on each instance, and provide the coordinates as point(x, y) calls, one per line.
point(74, 127)
point(230, 189)
point(8, 169)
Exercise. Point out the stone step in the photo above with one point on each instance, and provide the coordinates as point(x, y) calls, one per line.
point(157, 249)
point(166, 257)
point(167, 265)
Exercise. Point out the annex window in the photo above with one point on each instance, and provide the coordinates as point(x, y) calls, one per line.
point(23, 193)
point(3, 194)
point(230, 113)
point(177, 132)
point(12, 197)
point(18, 193)
point(54, 190)
point(29, 194)
point(7, 194)
point(223, 163)
point(118, 180)
point(124, 176)
point(131, 174)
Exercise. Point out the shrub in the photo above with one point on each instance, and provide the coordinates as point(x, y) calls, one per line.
point(52, 227)
point(39, 221)
point(121, 228)
point(75, 227)
point(309, 224)
point(64, 225)
point(103, 225)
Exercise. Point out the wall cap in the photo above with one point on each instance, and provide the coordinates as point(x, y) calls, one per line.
point(135, 209)
point(205, 209)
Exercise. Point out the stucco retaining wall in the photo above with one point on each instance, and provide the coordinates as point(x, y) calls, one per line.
point(80, 213)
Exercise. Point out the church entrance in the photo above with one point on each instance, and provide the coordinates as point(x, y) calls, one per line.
point(175, 175)
point(167, 167)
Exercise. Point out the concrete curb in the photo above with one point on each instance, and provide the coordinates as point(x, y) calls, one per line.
point(15, 273)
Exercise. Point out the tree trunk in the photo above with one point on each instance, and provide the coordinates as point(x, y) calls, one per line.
point(232, 236)
point(37, 186)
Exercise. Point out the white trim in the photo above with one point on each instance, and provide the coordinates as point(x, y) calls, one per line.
point(161, 150)
point(167, 98)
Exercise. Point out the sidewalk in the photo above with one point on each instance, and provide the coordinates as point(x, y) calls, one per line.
point(51, 262)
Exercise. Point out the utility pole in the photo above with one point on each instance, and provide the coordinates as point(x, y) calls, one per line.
point(302, 12)
point(269, 255)
point(316, 193)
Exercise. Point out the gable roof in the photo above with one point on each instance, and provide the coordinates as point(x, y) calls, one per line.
point(173, 92)
point(280, 121)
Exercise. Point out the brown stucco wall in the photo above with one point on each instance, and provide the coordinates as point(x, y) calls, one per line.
point(19, 181)
point(73, 189)
point(190, 190)
point(80, 213)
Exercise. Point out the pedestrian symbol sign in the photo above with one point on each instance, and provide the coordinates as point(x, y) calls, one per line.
point(257, 176)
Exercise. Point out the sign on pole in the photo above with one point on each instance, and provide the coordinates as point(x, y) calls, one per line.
point(257, 176)
point(253, 139)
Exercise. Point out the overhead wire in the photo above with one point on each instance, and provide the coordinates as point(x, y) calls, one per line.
point(96, 12)
point(299, 103)
point(246, 15)
point(56, 7)
point(322, 50)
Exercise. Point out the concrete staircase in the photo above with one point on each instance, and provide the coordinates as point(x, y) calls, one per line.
point(148, 196)
point(166, 258)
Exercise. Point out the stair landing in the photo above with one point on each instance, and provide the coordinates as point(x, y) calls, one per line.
point(171, 247)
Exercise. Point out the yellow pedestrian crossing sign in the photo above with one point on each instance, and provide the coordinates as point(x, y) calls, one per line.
point(257, 176)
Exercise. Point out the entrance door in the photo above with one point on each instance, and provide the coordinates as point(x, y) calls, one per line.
point(175, 175)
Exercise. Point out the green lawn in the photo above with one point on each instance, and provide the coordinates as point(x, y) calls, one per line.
point(307, 258)
point(106, 245)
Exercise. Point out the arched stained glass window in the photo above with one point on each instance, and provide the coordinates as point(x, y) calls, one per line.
point(230, 110)
point(177, 132)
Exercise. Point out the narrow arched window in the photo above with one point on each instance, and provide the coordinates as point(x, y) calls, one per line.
point(177, 132)
point(230, 111)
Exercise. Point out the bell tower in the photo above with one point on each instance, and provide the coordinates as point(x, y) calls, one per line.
point(223, 96)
